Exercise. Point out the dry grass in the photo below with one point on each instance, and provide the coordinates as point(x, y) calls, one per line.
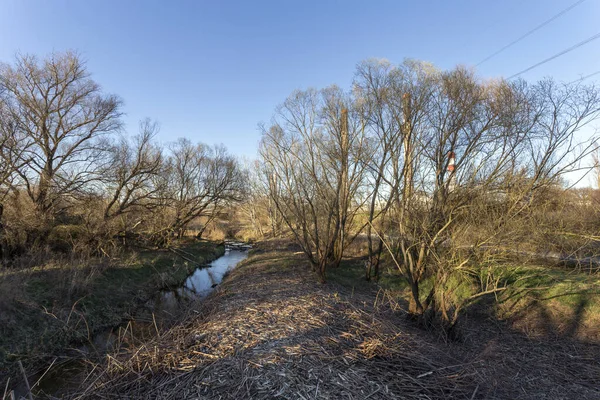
point(270, 331)
point(55, 309)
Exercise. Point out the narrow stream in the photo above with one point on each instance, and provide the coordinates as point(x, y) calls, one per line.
point(157, 312)
point(201, 282)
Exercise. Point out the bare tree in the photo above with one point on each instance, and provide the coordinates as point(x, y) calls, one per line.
point(59, 113)
point(12, 147)
point(132, 174)
point(200, 181)
point(258, 207)
point(6, 166)
point(385, 93)
point(11, 161)
point(481, 148)
point(450, 167)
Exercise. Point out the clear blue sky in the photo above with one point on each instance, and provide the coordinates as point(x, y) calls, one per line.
point(212, 70)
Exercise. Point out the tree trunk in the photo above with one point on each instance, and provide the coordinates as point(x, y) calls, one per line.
point(322, 268)
point(343, 195)
point(1, 233)
point(377, 260)
point(415, 308)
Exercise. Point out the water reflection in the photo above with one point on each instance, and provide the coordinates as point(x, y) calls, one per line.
point(203, 280)
point(200, 283)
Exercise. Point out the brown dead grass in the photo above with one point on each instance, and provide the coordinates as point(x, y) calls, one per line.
point(271, 331)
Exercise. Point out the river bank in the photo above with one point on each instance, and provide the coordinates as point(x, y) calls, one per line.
point(271, 331)
point(51, 312)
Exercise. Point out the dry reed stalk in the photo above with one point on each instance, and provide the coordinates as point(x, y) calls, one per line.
point(25, 379)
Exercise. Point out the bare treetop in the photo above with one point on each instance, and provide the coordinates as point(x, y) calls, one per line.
point(59, 113)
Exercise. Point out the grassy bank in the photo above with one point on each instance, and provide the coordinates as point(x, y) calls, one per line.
point(62, 303)
point(271, 331)
point(542, 300)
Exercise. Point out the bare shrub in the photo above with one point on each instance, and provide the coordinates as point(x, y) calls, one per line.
point(311, 164)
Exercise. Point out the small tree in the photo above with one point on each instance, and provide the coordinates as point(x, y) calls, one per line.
point(385, 93)
point(481, 148)
point(11, 161)
point(258, 208)
point(310, 156)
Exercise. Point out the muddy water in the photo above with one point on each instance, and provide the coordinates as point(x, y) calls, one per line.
point(70, 373)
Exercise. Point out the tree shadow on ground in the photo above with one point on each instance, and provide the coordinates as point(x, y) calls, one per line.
point(536, 353)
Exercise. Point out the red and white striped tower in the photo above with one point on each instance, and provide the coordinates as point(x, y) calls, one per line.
point(451, 169)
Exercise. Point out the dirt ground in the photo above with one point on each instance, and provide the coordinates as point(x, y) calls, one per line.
point(271, 331)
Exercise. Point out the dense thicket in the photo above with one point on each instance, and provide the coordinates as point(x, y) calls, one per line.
point(441, 170)
point(70, 181)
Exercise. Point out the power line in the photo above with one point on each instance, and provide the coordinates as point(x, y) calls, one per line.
point(596, 36)
point(584, 78)
point(531, 31)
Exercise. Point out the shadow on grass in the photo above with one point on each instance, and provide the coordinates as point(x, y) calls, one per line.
point(547, 335)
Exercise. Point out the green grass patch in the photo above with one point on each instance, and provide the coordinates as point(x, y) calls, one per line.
point(351, 274)
point(558, 288)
